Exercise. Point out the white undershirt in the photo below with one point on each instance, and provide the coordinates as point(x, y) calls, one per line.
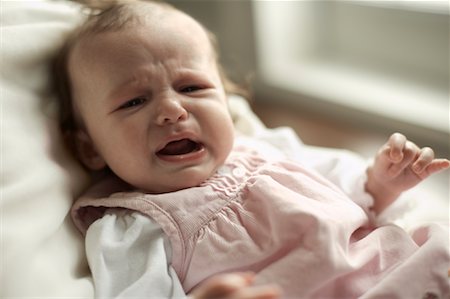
point(129, 255)
point(129, 258)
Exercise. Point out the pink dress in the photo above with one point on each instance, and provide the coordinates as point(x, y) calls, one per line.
point(289, 225)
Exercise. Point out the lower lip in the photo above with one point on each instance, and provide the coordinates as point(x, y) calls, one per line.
point(190, 157)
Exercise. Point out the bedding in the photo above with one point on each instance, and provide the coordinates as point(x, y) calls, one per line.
point(42, 253)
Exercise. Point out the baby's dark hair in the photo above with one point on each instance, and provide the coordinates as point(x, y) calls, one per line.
point(109, 16)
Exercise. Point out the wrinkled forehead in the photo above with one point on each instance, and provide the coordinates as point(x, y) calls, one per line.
point(172, 37)
point(163, 32)
point(153, 37)
point(164, 29)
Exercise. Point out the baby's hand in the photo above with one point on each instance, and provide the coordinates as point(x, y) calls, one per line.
point(398, 166)
point(234, 286)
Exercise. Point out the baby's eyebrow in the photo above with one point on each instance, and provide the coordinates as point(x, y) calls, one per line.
point(120, 89)
point(199, 74)
point(142, 80)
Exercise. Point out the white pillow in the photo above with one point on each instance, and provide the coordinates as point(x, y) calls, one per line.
point(41, 253)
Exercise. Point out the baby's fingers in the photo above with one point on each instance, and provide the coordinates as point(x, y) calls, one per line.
point(435, 166)
point(236, 285)
point(257, 292)
point(425, 157)
point(223, 285)
point(397, 143)
point(409, 153)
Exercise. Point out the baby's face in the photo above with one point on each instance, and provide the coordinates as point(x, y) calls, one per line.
point(152, 102)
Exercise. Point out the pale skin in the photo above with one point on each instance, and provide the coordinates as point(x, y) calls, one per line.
point(398, 166)
point(235, 286)
point(141, 93)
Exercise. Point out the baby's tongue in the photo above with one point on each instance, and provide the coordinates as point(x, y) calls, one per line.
point(178, 147)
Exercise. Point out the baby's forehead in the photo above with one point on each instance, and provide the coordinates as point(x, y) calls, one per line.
point(174, 20)
point(158, 15)
point(156, 20)
point(166, 27)
point(165, 33)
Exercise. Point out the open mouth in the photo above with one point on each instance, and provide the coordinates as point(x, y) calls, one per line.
point(180, 147)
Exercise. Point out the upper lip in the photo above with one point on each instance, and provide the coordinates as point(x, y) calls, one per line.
point(176, 137)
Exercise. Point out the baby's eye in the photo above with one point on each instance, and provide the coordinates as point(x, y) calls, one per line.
point(191, 88)
point(133, 103)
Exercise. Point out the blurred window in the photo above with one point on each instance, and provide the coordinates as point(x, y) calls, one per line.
point(387, 58)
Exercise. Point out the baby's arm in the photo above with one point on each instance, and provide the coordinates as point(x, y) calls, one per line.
point(398, 166)
point(234, 286)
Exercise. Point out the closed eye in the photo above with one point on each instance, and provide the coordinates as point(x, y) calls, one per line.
point(192, 88)
point(133, 103)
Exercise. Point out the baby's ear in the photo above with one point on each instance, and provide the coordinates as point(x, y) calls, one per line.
point(87, 152)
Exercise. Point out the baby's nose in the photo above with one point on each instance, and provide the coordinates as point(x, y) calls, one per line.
point(170, 110)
